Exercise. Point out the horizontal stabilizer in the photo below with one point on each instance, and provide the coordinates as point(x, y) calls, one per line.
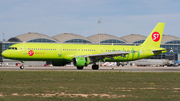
point(171, 49)
point(156, 51)
point(159, 50)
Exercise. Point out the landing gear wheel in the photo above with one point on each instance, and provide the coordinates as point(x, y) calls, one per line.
point(80, 68)
point(22, 67)
point(2, 64)
point(118, 64)
point(95, 67)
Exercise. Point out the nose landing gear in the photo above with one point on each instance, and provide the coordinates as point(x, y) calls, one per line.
point(22, 66)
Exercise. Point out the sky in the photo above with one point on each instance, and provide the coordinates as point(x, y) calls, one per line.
point(119, 17)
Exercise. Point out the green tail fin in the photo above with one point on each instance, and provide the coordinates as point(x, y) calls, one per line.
point(154, 38)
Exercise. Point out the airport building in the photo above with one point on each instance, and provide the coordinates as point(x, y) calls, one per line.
point(169, 42)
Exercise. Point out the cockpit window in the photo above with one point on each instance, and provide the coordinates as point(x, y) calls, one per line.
point(13, 48)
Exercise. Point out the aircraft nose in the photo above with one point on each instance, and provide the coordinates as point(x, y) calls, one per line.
point(4, 54)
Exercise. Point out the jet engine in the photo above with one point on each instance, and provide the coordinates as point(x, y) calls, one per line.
point(81, 61)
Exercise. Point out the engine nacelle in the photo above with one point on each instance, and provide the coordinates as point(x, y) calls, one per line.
point(81, 61)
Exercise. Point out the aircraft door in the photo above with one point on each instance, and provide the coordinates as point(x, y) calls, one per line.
point(101, 50)
point(60, 51)
point(143, 51)
point(25, 49)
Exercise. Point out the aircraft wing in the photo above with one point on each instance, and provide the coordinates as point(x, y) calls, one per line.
point(110, 55)
point(121, 53)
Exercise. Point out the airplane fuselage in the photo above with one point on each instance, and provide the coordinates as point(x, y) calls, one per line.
point(56, 52)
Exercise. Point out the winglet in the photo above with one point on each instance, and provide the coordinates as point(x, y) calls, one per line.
point(155, 37)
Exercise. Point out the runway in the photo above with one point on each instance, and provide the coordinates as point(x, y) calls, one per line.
point(115, 69)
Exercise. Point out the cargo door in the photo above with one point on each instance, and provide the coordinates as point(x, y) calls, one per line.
point(101, 50)
point(25, 49)
point(143, 51)
point(60, 51)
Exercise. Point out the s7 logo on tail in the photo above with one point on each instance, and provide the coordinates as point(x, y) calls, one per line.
point(156, 36)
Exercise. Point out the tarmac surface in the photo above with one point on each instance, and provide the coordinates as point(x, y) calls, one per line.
point(114, 68)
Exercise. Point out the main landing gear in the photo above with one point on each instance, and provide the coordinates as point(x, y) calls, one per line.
point(95, 67)
point(22, 66)
point(80, 68)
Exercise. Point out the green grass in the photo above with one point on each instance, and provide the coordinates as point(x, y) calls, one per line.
point(83, 85)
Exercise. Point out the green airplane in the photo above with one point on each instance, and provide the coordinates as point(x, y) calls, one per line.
point(84, 54)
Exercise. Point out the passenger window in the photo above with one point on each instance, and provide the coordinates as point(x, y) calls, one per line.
point(15, 48)
point(12, 48)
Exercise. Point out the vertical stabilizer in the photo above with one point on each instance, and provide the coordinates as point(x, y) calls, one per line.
point(155, 37)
